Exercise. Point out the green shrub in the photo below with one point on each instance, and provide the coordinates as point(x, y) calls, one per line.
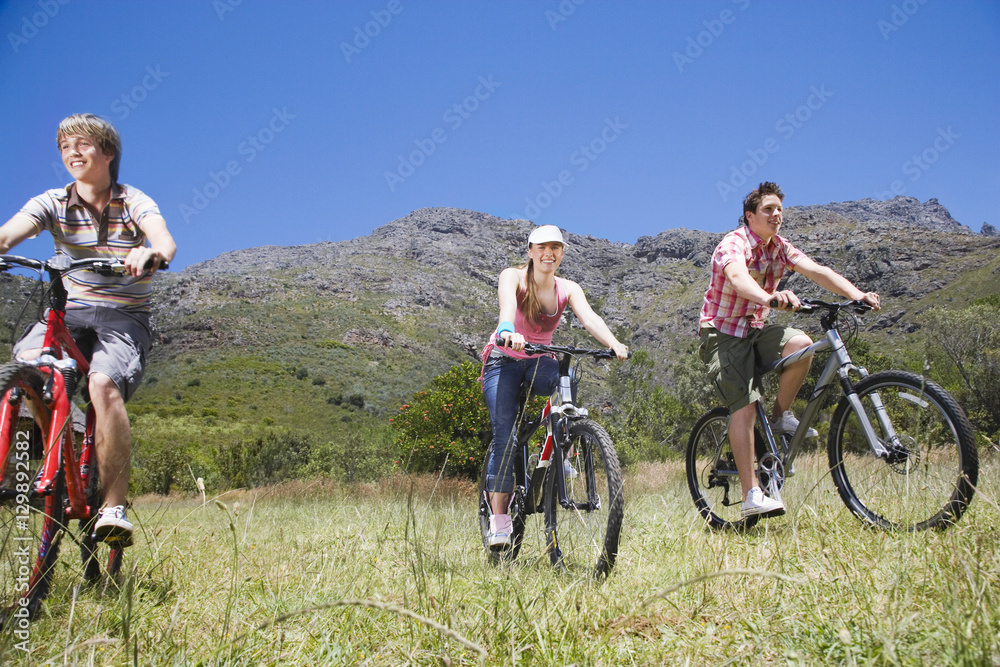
point(157, 470)
point(447, 420)
point(265, 459)
point(652, 423)
point(361, 454)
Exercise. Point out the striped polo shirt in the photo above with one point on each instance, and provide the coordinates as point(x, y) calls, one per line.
point(63, 214)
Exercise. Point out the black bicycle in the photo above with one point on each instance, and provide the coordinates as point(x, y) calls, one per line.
point(574, 478)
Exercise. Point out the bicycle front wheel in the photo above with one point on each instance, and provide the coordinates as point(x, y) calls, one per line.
point(30, 525)
point(928, 478)
point(712, 476)
point(589, 526)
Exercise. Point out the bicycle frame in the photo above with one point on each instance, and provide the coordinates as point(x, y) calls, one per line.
point(63, 362)
point(559, 409)
point(837, 371)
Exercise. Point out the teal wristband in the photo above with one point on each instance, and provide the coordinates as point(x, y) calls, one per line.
point(505, 326)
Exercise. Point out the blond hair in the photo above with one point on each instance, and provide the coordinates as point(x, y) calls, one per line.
point(101, 131)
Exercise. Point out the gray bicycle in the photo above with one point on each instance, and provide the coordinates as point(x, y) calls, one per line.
point(901, 451)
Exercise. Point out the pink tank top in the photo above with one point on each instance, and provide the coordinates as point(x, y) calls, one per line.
point(532, 332)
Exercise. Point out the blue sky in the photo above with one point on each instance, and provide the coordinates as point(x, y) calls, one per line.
point(254, 123)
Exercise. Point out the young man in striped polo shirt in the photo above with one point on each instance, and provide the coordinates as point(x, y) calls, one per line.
point(95, 216)
point(746, 268)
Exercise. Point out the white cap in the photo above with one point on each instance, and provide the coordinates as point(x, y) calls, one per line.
point(546, 234)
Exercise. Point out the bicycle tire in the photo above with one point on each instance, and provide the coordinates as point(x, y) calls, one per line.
point(498, 556)
point(928, 480)
point(712, 477)
point(585, 536)
point(30, 526)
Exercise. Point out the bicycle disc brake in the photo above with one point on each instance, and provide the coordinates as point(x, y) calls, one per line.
point(903, 456)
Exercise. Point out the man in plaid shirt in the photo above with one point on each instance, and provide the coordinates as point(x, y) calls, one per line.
point(746, 268)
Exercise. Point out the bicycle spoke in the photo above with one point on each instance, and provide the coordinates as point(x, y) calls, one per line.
point(588, 530)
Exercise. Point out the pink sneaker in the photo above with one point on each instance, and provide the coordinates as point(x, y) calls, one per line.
point(500, 531)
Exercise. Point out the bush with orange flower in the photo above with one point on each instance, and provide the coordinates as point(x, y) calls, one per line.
point(449, 419)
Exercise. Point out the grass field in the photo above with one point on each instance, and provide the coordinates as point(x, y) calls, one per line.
point(394, 573)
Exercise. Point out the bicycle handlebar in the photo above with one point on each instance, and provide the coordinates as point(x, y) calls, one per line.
point(64, 264)
point(537, 348)
point(810, 306)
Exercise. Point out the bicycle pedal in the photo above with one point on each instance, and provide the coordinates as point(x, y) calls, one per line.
point(116, 540)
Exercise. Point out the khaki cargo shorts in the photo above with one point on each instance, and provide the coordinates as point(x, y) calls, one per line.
point(732, 362)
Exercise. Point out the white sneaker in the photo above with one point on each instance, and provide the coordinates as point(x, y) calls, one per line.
point(113, 527)
point(788, 424)
point(500, 530)
point(757, 503)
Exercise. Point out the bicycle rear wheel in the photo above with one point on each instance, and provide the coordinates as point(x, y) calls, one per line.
point(587, 532)
point(928, 478)
point(31, 526)
point(497, 556)
point(712, 477)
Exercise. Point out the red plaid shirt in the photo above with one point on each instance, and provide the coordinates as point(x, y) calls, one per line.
point(726, 310)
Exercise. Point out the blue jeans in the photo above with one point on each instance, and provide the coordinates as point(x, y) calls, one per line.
point(503, 381)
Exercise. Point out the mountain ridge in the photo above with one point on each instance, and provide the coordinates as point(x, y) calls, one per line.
point(418, 294)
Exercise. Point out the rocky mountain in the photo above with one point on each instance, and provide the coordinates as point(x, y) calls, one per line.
point(905, 210)
point(437, 257)
point(259, 335)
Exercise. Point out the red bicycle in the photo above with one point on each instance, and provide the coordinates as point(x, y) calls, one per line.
point(47, 455)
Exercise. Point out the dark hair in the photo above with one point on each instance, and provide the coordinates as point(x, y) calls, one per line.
point(753, 199)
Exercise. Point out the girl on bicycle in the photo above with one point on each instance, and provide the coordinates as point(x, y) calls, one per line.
point(532, 299)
